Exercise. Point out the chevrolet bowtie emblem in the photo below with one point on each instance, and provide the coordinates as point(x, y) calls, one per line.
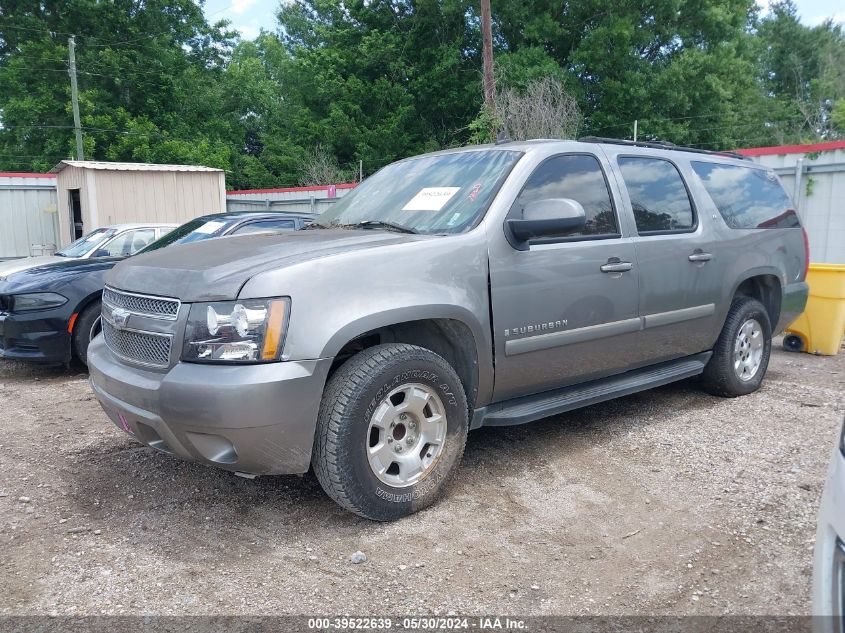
point(120, 317)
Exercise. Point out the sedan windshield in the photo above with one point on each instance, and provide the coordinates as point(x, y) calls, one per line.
point(446, 193)
point(87, 243)
point(192, 231)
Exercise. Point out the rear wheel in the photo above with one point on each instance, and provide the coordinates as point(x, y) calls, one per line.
point(391, 432)
point(83, 330)
point(741, 354)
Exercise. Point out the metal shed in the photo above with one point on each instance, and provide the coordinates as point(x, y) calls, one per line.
point(29, 224)
point(314, 199)
point(94, 193)
point(814, 175)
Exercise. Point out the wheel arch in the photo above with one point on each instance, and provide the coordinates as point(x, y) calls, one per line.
point(765, 286)
point(450, 333)
point(83, 305)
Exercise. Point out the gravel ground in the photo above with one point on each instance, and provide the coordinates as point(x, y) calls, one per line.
point(665, 502)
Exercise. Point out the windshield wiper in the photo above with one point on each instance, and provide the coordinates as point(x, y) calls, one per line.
point(385, 225)
point(364, 224)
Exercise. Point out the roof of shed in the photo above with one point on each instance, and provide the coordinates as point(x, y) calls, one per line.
point(110, 166)
point(827, 146)
point(24, 174)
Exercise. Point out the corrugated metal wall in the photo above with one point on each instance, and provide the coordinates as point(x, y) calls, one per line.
point(120, 196)
point(819, 198)
point(296, 199)
point(29, 222)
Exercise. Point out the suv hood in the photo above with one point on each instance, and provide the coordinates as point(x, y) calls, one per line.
point(216, 269)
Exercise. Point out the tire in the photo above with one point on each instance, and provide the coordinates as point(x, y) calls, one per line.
point(361, 416)
point(731, 370)
point(82, 331)
point(793, 343)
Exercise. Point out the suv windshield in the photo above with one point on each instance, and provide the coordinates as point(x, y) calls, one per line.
point(192, 231)
point(447, 193)
point(87, 243)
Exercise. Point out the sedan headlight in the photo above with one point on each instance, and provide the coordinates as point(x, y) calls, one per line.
point(247, 331)
point(36, 301)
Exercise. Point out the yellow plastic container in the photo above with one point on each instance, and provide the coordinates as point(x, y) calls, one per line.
point(822, 323)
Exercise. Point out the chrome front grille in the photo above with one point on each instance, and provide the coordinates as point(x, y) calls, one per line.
point(128, 319)
point(144, 348)
point(145, 305)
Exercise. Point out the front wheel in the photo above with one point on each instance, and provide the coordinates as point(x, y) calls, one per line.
point(741, 354)
point(84, 330)
point(391, 432)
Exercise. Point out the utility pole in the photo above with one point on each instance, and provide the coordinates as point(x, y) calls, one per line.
point(74, 97)
point(635, 130)
point(487, 53)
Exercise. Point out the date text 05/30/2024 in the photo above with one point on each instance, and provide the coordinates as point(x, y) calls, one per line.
point(481, 623)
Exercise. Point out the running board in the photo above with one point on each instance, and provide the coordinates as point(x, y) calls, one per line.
point(542, 405)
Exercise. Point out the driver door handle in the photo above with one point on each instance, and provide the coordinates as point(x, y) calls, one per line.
point(616, 267)
point(700, 257)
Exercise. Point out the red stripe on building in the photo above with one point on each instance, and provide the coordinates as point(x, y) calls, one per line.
point(25, 174)
point(346, 185)
point(792, 149)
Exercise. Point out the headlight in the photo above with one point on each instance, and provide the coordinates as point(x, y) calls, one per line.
point(36, 301)
point(247, 331)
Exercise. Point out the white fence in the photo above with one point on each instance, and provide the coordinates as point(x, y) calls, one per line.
point(295, 199)
point(29, 223)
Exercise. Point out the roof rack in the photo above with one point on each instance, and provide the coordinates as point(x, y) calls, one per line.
point(659, 145)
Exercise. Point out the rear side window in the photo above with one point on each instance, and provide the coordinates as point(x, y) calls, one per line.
point(747, 198)
point(578, 177)
point(658, 195)
point(265, 225)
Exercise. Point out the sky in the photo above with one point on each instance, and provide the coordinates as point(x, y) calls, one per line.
point(249, 16)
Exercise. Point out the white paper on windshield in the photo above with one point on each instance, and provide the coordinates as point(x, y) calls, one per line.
point(431, 198)
point(209, 227)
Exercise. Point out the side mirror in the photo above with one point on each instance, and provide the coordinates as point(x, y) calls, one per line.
point(100, 252)
point(542, 218)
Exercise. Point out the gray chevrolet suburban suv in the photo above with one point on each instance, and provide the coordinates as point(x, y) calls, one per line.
point(488, 285)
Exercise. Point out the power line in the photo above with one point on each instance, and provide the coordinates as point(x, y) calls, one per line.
point(23, 28)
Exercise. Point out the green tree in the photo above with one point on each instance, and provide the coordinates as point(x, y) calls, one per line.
point(149, 76)
point(803, 72)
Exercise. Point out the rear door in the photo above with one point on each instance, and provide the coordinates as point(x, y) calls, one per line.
point(565, 310)
point(677, 258)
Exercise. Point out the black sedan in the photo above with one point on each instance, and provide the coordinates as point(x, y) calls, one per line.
point(47, 313)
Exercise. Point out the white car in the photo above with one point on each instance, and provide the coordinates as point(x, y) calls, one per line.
point(109, 241)
point(829, 555)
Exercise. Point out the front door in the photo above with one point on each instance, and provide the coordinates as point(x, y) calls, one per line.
point(565, 310)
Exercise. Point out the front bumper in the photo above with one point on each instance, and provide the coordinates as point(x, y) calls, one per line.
point(40, 336)
point(828, 557)
point(257, 419)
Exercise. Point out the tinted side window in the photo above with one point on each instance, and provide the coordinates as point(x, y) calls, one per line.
point(658, 195)
point(128, 242)
point(265, 225)
point(747, 198)
point(576, 176)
